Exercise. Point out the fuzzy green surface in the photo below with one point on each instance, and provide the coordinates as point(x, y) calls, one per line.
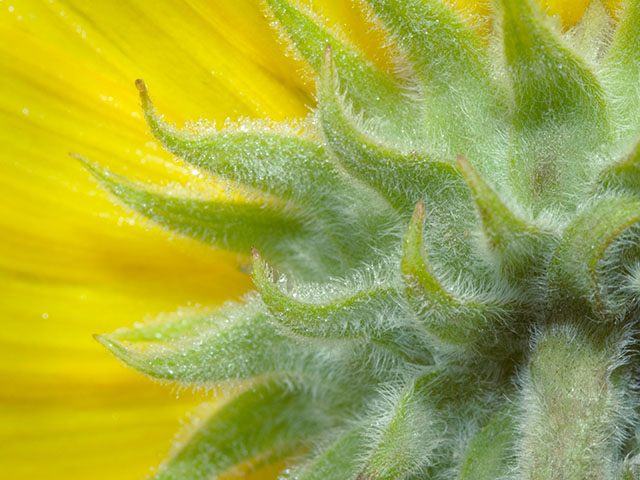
point(446, 256)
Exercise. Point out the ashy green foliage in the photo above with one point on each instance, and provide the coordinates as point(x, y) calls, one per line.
point(446, 256)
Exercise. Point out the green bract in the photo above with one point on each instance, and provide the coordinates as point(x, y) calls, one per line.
point(448, 276)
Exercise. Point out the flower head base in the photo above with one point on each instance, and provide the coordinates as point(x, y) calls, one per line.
point(488, 335)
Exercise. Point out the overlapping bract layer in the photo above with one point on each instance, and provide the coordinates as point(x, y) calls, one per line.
point(394, 346)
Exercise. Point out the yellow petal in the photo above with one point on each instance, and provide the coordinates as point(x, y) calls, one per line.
point(569, 12)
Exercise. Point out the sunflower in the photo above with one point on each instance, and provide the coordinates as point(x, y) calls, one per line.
point(74, 262)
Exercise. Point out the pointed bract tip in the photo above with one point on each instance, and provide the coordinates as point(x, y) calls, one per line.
point(327, 65)
point(116, 348)
point(144, 96)
point(466, 169)
point(462, 161)
point(102, 340)
point(99, 173)
point(83, 160)
point(141, 86)
point(256, 262)
point(259, 269)
point(419, 210)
